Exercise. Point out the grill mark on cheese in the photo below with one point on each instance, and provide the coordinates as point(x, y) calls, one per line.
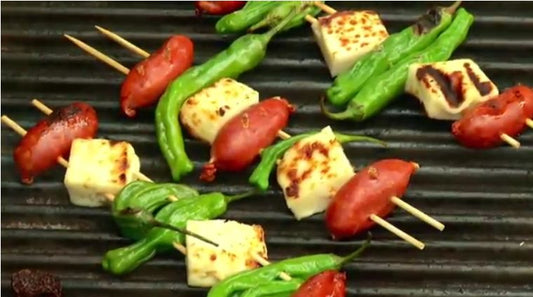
point(484, 88)
point(450, 85)
point(221, 111)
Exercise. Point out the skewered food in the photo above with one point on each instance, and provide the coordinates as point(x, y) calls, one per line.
point(265, 281)
point(241, 139)
point(345, 37)
point(369, 192)
point(448, 89)
point(329, 283)
point(51, 137)
point(217, 7)
point(98, 167)
point(35, 283)
point(148, 79)
point(270, 155)
point(240, 20)
point(397, 46)
point(243, 54)
point(206, 112)
point(311, 172)
point(278, 13)
point(381, 90)
point(208, 265)
point(485, 125)
point(204, 207)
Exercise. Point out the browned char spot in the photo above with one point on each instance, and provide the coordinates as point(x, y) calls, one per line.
point(484, 88)
point(450, 85)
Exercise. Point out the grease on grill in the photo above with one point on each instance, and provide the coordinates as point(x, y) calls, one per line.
point(35, 283)
point(450, 85)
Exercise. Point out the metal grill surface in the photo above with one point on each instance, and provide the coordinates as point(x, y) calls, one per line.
point(485, 198)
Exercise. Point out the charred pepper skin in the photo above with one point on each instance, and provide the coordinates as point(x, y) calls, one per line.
point(145, 197)
point(300, 268)
point(243, 54)
point(379, 91)
point(410, 40)
point(204, 207)
point(261, 174)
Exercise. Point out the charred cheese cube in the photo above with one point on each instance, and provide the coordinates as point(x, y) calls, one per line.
point(208, 265)
point(98, 167)
point(311, 172)
point(448, 89)
point(344, 37)
point(207, 111)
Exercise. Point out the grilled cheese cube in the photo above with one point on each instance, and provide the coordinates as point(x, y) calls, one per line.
point(448, 89)
point(312, 171)
point(98, 167)
point(344, 37)
point(206, 112)
point(208, 265)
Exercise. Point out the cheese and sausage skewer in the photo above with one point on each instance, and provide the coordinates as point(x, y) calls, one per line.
point(345, 37)
point(234, 105)
point(148, 79)
point(315, 168)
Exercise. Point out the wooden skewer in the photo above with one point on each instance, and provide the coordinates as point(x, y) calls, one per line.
point(264, 262)
point(47, 110)
point(97, 54)
point(417, 213)
point(397, 232)
point(529, 123)
point(106, 59)
point(324, 7)
point(509, 140)
point(132, 47)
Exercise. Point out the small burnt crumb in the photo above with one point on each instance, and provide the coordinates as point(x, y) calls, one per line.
point(245, 120)
point(373, 173)
point(122, 178)
point(35, 283)
point(213, 257)
point(292, 190)
point(221, 111)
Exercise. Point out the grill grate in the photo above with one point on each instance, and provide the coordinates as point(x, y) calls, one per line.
point(484, 198)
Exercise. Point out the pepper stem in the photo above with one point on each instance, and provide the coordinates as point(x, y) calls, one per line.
point(343, 138)
point(343, 115)
point(159, 224)
point(358, 252)
point(240, 196)
point(270, 33)
point(452, 8)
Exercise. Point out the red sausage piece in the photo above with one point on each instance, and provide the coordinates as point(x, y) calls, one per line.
point(368, 192)
point(241, 139)
point(147, 81)
point(329, 283)
point(217, 7)
point(52, 137)
point(482, 126)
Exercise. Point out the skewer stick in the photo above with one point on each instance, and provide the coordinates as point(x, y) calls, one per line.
point(264, 262)
point(115, 37)
point(106, 59)
point(324, 7)
point(97, 54)
point(417, 213)
point(397, 232)
point(47, 110)
point(510, 141)
point(529, 123)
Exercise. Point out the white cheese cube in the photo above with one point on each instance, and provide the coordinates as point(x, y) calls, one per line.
point(448, 89)
point(312, 171)
point(206, 112)
point(98, 167)
point(208, 265)
point(344, 37)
